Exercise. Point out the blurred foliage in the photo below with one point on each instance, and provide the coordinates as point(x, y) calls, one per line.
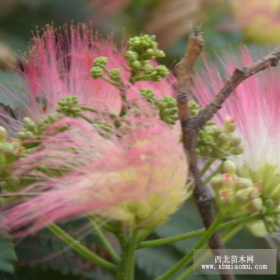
point(42, 257)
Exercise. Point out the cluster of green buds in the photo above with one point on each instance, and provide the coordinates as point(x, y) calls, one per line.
point(216, 142)
point(236, 196)
point(99, 69)
point(33, 130)
point(69, 106)
point(142, 49)
point(10, 151)
point(268, 177)
point(102, 125)
point(166, 106)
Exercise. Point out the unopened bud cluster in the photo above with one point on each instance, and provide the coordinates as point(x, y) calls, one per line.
point(112, 76)
point(216, 142)
point(167, 106)
point(10, 151)
point(142, 49)
point(236, 196)
point(69, 106)
point(32, 131)
point(268, 176)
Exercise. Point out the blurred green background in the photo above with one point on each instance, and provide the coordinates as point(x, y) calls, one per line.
point(226, 25)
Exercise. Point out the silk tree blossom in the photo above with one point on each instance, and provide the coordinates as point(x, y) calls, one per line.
point(138, 179)
point(58, 65)
point(254, 108)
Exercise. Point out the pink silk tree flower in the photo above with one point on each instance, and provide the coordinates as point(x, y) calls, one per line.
point(58, 64)
point(254, 108)
point(138, 179)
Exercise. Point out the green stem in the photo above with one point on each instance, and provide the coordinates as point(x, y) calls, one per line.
point(85, 108)
point(218, 170)
point(142, 78)
point(83, 251)
point(188, 235)
point(206, 166)
point(113, 83)
point(129, 273)
point(84, 117)
point(208, 233)
point(105, 241)
point(126, 269)
point(226, 236)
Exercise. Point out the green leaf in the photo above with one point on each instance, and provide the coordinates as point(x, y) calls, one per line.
point(13, 90)
point(186, 219)
point(157, 260)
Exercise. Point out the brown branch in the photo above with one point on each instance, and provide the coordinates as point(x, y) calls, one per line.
point(204, 201)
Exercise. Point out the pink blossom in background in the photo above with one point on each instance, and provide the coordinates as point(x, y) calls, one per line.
point(138, 179)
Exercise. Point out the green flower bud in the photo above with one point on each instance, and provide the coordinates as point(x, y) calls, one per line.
point(244, 183)
point(7, 149)
point(115, 74)
point(148, 69)
point(216, 182)
point(226, 196)
point(229, 167)
point(100, 61)
point(150, 52)
point(223, 138)
point(21, 135)
point(162, 71)
point(268, 220)
point(26, 121)
point(131, 55)
point(228, 181)
point(236, 141)
point(242, 195)
point(229, 125)
point(269, 203)
point(160, 54)
point(253, 192)
point(136, 64)
point(96, 72)
point(217, 130)
point(3, 134)
point(255, 205)
point(238, 150)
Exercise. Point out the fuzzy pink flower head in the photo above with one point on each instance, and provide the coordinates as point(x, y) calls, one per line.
point(58, 64)
point(138, 179)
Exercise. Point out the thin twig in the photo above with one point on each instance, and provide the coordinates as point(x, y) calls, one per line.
point(204, 201)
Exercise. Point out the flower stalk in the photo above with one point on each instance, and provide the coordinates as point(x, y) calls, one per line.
point(79, 248)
